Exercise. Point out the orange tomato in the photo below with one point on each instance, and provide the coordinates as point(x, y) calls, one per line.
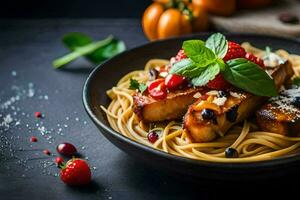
point(159, 23)
point(150, 20)
point(220, 7)
point(200, 21)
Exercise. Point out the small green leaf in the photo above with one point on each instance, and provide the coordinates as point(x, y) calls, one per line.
point(75, 40)
point(206, 75)
point(249, 77)
point(113, 48)
point(186, 68)
point(184, 64)
point(135, 85)
point(142, 87)
point(296, 81)
point(218, 44)
point(81, 51)
point(198, 53)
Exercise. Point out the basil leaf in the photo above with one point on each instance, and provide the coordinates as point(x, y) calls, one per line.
point(208, 74)
point(135, 85)
point(81, 51)
point(74, 40)
point(186, 68)
point(249, 77)
point(113, 48)
point(179, 67)
point(218, 44)
point(198, 53)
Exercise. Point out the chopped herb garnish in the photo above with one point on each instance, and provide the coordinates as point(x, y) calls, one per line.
point(135, 85)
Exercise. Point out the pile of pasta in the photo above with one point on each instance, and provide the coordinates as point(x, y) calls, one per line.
point(251, 143)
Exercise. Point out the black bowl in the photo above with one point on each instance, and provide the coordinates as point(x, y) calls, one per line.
point(107, 75)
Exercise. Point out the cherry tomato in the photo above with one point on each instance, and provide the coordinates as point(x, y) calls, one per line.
point(157, 89)
point(173, 81)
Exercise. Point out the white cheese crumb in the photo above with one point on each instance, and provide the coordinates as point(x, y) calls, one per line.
point(163, 74)
point(273, 60)
point(236, 95)
point(213, 92)
point(197, 95)
point(220, 101)
point(172, 61)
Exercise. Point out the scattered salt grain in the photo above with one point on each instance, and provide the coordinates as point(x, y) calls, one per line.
point(13, 73)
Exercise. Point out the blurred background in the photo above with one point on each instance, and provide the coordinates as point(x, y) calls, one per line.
point(73, 8)
point(275, 17)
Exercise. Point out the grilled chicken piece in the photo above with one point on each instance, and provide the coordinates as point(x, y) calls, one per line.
point(281, 114)
point(172, 107)
point(238, 105)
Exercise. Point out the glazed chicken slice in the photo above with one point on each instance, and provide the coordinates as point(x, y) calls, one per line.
point(212, 116)
point(172, 107)
point(281, 114)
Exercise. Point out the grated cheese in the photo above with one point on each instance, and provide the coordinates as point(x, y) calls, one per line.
point(235, 94)
point(212, 92)
point(220, 101)
point(197, 95)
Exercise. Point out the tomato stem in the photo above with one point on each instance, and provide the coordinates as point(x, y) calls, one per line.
point(182, 6)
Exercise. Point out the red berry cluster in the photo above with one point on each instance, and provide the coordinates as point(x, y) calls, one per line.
point(234, 51)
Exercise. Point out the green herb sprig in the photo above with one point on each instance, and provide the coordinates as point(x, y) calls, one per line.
point(205, 61)
point(82, 45)
point(135, 85)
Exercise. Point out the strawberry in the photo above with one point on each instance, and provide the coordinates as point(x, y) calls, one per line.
point(234, 51)
point(180, 55)
point(76, 172)
point(256, 60)
point(218, 83)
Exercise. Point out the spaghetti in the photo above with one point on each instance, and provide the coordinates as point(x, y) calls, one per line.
point(251, 144)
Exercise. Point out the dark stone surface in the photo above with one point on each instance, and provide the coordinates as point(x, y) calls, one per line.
point(27, 49)
point(73, 8)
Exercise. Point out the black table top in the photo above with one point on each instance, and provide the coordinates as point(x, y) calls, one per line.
point(29, 84)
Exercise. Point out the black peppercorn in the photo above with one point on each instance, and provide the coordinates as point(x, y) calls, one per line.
point(296, 102)
point(232, 114)
point(231, 153)
point(208, 114)
point(222, 93)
